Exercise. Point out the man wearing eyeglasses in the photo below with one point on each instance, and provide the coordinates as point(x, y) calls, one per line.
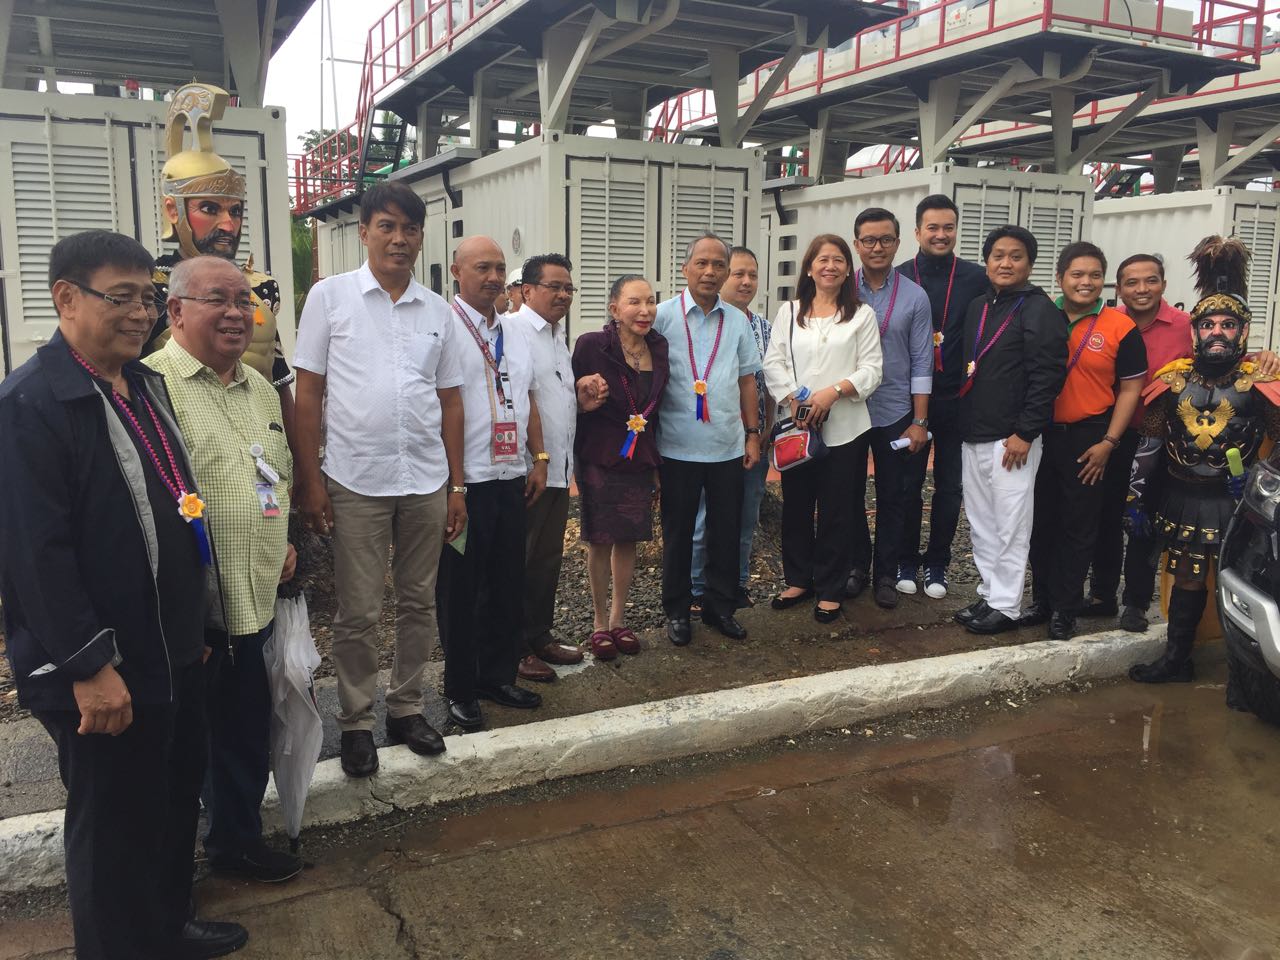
point(231, 419)
point(105, 579)
point(899, 407)
point(547, 293)
point(204, 207)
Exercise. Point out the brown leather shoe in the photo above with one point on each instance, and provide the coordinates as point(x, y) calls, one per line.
point(561, 654)
point(531, 668)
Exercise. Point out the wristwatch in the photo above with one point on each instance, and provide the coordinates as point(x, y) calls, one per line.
point(455, 489)
point(754, 430)
point(921, 422)
point(837, 389)
point(542, 458)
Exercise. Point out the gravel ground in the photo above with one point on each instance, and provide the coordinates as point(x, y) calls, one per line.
point(574, 616)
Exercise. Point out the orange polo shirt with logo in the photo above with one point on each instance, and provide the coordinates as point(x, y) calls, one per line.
point(1103, 348)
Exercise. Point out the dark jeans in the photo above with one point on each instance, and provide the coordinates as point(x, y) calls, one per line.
point(683, 483)
point(479, 593)
point(818, 555)
point(948, 494)
point(545, 522)
point(239, 706)
point(1110, 557)
point(891, 473)
point(130, 826)
point(1064, 529)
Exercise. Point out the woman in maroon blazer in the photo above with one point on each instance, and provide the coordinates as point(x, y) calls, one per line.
point(615, 451)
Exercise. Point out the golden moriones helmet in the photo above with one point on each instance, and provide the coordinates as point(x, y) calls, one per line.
point(198, 171)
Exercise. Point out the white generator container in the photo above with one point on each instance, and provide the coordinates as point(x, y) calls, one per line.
point(1056, 209)
point(611, 206)
point(70, 163)
point(1171, 224)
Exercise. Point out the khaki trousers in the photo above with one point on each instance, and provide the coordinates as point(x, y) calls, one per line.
point(365, 528)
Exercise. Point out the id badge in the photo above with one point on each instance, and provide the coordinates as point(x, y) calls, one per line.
point(504, 448)
point(267, 498)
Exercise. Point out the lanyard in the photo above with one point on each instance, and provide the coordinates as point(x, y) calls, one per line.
point(972, 369)
point(701, 411)
point(637, 421)
point(1075, 357)
point(893, 298)
point(492, 360)
point(939, 332)
point(190, 506)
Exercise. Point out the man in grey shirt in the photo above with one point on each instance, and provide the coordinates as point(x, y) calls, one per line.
point(899, 407)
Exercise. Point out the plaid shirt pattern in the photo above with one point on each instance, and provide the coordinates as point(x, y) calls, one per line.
point(219, 424)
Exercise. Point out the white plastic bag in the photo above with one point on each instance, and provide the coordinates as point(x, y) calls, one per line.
point(296, 729)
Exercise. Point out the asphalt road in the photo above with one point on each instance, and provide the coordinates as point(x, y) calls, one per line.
point(1117, 822)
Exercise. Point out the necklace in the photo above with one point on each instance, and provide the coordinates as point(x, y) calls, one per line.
point(636, 358)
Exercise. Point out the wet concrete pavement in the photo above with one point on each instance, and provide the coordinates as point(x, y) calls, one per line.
point(1119, 822)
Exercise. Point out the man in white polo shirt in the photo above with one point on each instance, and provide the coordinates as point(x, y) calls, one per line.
point(378, 363)
point(548, 294)
point(481, 588)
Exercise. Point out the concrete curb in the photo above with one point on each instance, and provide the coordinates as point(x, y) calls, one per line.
point(496, 760)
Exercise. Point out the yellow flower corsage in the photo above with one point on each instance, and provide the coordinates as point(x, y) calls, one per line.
point(637, 423)
point(190, 507)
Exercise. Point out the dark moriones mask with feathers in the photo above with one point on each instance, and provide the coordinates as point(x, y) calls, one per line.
point(1220, 320)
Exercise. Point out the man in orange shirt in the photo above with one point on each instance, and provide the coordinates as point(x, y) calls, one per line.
point(1090, 415)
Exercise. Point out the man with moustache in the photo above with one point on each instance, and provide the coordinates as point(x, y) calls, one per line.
point(481, 588)
point(708, 406)
point(230, 417)
point(106, 578)
point(739, 290)
point(548, 294)
point(380, 369)
point(204, 200)
point(951, 284)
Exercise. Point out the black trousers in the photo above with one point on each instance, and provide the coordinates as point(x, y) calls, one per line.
point(479, 593)
point(683, 483)
point(1110, 557)
point(545, 522)
point(891, 497)
point(1064, 528)
point(239, 706)
point(948, 493)
point(818, 555)
point(130, 828)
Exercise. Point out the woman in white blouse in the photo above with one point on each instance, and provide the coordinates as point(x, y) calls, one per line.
point(825, 340)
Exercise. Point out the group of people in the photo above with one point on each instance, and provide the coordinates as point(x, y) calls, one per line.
point(152, 450)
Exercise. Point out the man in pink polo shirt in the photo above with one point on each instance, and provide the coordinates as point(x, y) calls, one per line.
point(1166, 332)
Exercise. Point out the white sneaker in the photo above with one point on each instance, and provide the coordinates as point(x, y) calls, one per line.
point(935, 583)
point(906, 580)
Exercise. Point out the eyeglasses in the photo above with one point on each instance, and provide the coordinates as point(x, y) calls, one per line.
point(557, 288)
point(1227, 325)
point(152, 306)
point(243, 304)
point(872, 242)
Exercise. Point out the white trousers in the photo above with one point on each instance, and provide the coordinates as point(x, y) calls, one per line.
point(999, 504)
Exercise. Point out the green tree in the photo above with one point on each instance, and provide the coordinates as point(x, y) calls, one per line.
point(303, 243)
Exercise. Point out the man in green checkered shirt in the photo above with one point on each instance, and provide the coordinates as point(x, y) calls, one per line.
point(230, 417)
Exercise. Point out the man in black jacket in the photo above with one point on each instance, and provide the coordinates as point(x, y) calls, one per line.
point(105, 577)
point(1015, 361)
point(951, 285)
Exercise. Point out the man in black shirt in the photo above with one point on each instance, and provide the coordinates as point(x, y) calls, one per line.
point(105, 578)
point(951, 285)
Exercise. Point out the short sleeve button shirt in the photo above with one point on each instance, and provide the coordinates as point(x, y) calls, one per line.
point(382, 363)
point(680, 435)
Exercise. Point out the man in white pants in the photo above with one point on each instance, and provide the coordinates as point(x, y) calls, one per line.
point(1015, 355)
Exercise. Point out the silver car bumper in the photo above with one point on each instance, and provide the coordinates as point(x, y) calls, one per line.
point(1254, 612)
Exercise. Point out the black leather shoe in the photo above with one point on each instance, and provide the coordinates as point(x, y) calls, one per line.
point(509, 695)
point(1062, 626)
point(780, 602)
point(257, 862)
point(727, 625)
point(202, 939)
point(1035, 614)
point(993, 621)
point(1100, 608)
point(974, 610)
point(678, 631)
point(825, 616)
point(856, 583)
point(886, 594)
point(359, 755)
point(416, 734)
point(466, 714)
point(1133, 620)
